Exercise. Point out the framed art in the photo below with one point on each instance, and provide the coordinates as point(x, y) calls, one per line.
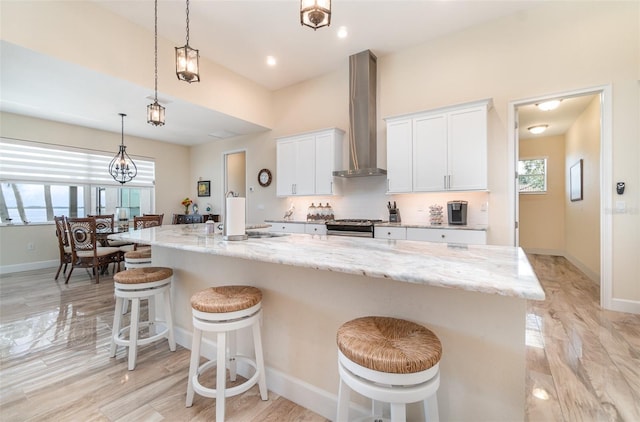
point(204, 188)
point(575, 181)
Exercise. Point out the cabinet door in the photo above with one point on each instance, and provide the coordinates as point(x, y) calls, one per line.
point(319, 229)
point(399, 156)
point(325, 163)
point(468, 237)
point(430, 153)
point(305, 163)
point(286, 168)
point(468, 149)
point(287, 227)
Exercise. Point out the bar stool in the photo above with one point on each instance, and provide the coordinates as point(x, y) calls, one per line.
point(136, 284)
point(388, 360)
point(225, 310)
point(138, 259)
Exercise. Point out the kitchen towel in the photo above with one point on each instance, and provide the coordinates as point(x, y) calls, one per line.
point(235, 224)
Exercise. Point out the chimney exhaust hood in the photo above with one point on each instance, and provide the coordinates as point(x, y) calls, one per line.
point(362, 117)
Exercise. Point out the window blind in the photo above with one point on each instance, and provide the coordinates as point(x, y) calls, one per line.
point(27, 161)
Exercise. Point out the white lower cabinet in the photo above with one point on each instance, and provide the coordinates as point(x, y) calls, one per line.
point(320, 229)
point(469, 237)
point(287, 227)
point(395, 233)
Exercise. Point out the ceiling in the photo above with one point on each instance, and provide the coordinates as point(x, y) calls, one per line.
point(238, 35)
point(558, 120)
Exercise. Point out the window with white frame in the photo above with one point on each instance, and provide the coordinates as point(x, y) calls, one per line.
point(532, 175)
point(38, 181)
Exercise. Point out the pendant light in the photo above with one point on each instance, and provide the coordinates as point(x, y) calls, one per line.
point(155, 112)
point(315, 13)
point(187, 60)
point(122, 168)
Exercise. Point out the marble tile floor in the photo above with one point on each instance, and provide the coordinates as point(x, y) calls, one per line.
point(583, 363)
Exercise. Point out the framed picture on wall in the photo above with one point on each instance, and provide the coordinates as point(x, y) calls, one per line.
point(575, 181)
point(204, 188)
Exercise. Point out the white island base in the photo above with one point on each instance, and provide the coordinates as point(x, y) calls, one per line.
point(483, 335)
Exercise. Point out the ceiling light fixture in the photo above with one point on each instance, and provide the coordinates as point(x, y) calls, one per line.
point(548, 105)
point(155, 112)
point(342, 32)
point(122, 168)
point(537, 129)
point(271, 61)
point(188, 60)
point(315, 13)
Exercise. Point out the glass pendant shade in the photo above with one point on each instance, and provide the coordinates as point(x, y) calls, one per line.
point(315, 13)
point(122, 168)
point(187, 64)
point(155, 114)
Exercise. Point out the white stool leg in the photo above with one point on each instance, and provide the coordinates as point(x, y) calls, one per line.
point(169, 319)
point(193, 366)
point(125, 306)
point(117, 316)
point(398, 412)
point(257, 345)
point(221, 377)
point(343, 402)
point(151, 305)
point(133, 333)
point(376, 409)
point(431, 409)
point(231, 356)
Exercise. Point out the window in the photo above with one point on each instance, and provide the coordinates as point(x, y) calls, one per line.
point(38, 181)
point(532, 175)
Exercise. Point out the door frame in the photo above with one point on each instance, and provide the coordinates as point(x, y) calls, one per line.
point(225, 183)
point(606, 177)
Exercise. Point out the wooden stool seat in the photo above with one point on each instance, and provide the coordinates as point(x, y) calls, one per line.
point(388, 360)
point(224, 310)
point(138, 254)
point(135, 285)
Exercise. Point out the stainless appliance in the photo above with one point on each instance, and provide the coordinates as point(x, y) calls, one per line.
point(362, 117)
point(355, 228)
point(457, 212)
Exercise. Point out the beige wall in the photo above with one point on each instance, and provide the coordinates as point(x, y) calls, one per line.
point(172, 177)
point(582, 218)
point(542, 219)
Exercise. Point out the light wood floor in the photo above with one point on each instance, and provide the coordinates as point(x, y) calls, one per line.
point(582, 363)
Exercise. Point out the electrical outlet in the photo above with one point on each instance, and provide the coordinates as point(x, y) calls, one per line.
point(31, 246)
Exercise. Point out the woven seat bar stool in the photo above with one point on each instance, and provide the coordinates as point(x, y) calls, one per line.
point(138, 259)
point(225, 310)
point(134, 285)
point(388, 360)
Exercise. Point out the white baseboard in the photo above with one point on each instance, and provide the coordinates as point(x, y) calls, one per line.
point(538, 251)
point(16, 268)
point(298, 391)
point(624, 305)
point(590, 274)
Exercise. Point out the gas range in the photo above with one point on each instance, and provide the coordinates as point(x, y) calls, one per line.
point(351, 227)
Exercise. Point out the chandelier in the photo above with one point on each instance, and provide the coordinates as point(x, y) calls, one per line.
point(187, 60)
point(315, 13)
point(155, 112)
point(122, 168)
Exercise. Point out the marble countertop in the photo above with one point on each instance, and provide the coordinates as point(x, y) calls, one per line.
point(500, 270)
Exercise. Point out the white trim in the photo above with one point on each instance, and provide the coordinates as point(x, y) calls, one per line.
point(16, 268)
point(595, 277)
point(624, 305)
point(606, 177)
point(539, 251)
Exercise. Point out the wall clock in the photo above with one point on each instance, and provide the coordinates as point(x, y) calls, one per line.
point(264, 177)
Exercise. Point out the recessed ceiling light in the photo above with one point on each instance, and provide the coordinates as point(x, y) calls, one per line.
point(342, 32)
point(540, 393)
point(537, 129)
point(271, 61)
point(548, 105)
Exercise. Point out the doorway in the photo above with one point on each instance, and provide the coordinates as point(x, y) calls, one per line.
point(235, 175)
point(571, 243)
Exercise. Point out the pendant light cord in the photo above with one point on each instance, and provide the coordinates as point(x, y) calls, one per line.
point(156, 50)
point(187, 23)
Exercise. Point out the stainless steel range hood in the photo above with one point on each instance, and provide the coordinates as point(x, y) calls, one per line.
point(362, 117)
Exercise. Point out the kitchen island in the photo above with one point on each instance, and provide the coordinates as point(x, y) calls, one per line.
point(472, 297)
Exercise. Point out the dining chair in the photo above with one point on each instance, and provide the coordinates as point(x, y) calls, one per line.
point(63, 244)
point(105, 225)
point(84, 250)
point(160, 217)
point(147, 220)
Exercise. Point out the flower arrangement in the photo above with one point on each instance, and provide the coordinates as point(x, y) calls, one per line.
point(185, 203)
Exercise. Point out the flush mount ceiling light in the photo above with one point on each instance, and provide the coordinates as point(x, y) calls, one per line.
point(548, 105)
point(155, 112)
point(187, 60)
point(122, 168)
point(343, 32)
point(315, 13)
point(537, 129)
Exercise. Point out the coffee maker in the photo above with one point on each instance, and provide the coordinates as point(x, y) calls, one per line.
point(457, 212)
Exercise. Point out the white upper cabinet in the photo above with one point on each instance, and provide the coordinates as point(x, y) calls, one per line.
point(305, 163)
point(438, 150)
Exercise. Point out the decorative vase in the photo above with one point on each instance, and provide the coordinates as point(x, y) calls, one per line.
point(186, 209)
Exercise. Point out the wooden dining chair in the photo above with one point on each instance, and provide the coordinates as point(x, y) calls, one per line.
point(105, 225)
point(84, 250)
point(147, 221)
point(160, 217)
point(63, 244)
